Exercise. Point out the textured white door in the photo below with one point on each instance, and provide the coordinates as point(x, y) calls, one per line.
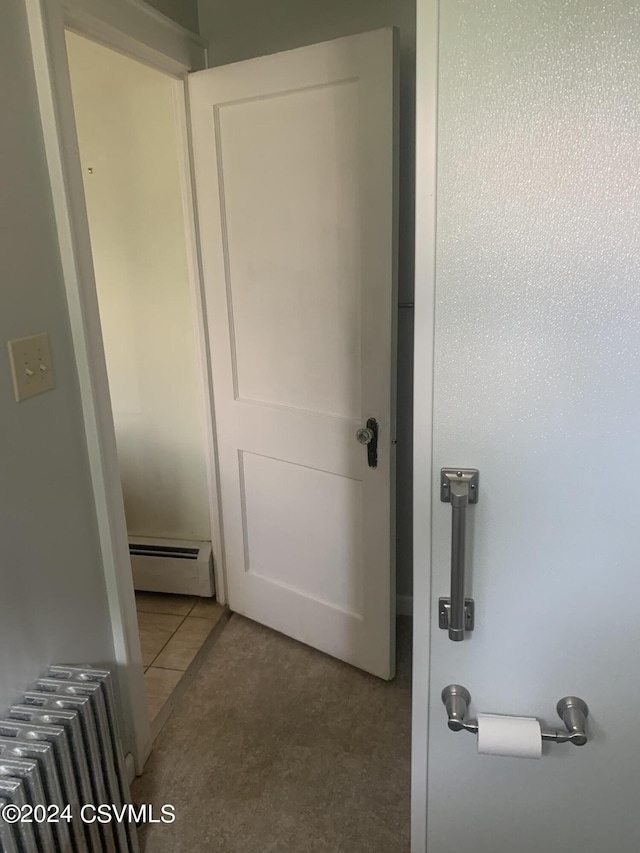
point(295, 182)
point(537, 347)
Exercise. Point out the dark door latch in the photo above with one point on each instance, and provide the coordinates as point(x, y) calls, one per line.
point(369, 435)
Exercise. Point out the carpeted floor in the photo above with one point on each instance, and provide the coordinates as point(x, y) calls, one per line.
point(277, 748)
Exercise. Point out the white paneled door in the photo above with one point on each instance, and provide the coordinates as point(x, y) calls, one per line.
point(294, 160)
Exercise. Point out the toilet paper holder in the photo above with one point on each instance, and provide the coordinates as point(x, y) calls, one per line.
point(572, 711)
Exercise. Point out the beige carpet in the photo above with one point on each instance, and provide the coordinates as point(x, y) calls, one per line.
point(277, 748)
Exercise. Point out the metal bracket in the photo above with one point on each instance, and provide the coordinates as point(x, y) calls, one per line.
point(459, 475)
point(444, 609)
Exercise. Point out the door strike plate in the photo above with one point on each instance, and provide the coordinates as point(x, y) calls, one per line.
point(444, 608)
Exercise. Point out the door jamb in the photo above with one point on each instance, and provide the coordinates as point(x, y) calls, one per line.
point(134, 29)
point(201, 330)
point(427, 21)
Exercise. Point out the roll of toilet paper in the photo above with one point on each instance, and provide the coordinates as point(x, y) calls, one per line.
point(516, 736)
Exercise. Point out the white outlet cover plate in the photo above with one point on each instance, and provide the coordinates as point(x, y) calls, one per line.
point(31, 366)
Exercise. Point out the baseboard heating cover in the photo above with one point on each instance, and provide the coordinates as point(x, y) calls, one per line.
point(172, 565)
point(60, 746)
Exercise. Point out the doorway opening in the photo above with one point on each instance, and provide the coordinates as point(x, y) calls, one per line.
point(308, 535)
point(127, 127)
point(329, 154)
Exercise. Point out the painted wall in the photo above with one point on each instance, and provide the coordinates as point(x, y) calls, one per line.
point(245, 28)
point(53, 606)
point(184, 12)
point(126, 128)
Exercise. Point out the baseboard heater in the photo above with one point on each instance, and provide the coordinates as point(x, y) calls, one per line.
point(61, 756)
point(172, 565)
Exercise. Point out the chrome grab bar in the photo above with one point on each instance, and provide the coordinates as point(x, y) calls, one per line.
point(459, 487)
point(572, 711)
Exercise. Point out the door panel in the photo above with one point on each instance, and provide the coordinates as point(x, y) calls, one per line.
point(295, 177)
point(536, 384)
point(290, 196)
point(287, 538)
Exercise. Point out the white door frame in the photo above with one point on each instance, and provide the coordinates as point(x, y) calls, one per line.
point(424, 316)
point(133, 28)
point(136, 30)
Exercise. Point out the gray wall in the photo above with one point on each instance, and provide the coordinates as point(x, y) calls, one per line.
point(245, 28)
point(53, 604)
point(184, 12)
point(537, 347)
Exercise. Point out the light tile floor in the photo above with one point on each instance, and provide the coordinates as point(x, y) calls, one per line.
point(173, 629)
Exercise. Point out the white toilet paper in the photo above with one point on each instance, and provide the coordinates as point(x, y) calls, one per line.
point(516, 736)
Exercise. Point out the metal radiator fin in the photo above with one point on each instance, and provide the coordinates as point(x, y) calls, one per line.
point(8, 838)
point(43, 755)
point(84, 675)
point(29, 773)
point(61, 745)
point(13, 791)
point(69, 721)
point(89, 738)
point(56, 737)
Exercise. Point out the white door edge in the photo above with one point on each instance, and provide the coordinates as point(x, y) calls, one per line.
point(183, 134)
point(426, 133)
point(126, 26)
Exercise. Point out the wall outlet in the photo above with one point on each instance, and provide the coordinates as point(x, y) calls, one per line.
point(31, 366)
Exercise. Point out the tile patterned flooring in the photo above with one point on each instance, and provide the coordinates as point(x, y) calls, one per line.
point(173, 629)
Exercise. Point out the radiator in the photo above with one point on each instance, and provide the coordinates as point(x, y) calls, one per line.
point(61, 746)
point(172, 565)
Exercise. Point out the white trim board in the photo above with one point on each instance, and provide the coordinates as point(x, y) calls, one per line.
point(424, 315)
point(132, 28)
point(201, 331)
point(137, 30)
